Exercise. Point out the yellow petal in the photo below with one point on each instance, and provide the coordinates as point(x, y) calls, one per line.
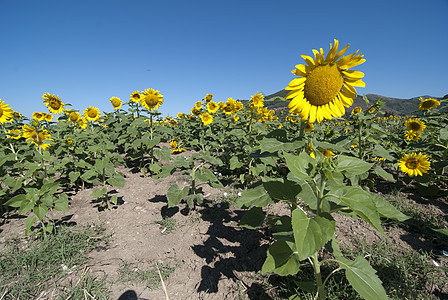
point(297, 82)
point(340, 53)
point(352, 74)
point(308, 59)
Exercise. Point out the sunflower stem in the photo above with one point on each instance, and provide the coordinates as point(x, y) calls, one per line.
point(320, 287)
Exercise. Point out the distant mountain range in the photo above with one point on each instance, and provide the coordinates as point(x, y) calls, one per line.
point(395, 106)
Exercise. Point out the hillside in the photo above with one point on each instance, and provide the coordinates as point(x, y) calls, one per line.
point(394, 106)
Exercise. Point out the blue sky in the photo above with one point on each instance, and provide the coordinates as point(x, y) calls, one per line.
point(89, 51)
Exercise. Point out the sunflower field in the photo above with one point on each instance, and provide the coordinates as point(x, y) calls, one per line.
point(319, 157)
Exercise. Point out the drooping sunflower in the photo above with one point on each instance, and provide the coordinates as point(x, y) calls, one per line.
point(414, 164)
point(229, 107)
point(53, 103)
point(309, 127)
point(151, 99)
point(136, 97)
point(326, 85)
point(75, 116)
point(16, 115)
point(208, 98)
point(327, 153)
point(92, 113)
point(206, 118)
point(198, 105)
point(195, 112)
point(48, 117)
point(15, 134)
point(180, 115)
point(40, 116)
point(212, 107)
point(371, 110)
point(427, 104)
point(116, 102)
point(356, 110)
point(6, 112)
point(415, 125)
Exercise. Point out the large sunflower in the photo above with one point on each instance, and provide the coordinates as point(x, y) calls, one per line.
point(415, 125)
point(92, 113)
point(116, 102)
point(325, 84)
point(427, 104)
point(212, 107)
point(151, 99)
point(414, 164)
point(6, 112)
point(257, 100)
point(206, 118)
point(53, 103)
point(37, 137)
point(136, 97)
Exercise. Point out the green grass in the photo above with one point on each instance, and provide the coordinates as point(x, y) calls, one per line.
point(168, 224)
point(138, 274)
point(31, 267)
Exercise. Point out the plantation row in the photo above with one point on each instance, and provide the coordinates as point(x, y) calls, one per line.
point(317, 166)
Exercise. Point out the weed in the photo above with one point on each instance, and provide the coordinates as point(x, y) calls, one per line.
point(168, 224)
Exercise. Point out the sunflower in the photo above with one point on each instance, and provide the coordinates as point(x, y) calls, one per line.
point(309, 127)
point(327, 153)
point(151, 99)
point(136, 97)
point(82, 123)
point(414, 164)
point(238, 105)
point(427, 104)
point(53, 103)
point(371, 110)
point(15, 134)
point(257, 100)
point(309, 150)
point(40, 116)
point(37, 137)
point(208, 98)
point(229, 107)
point(326, 85)
point(48, 117)
point(116, 102)
point(412, 135)
point(212, 107)
point(92, 113)
point(198, 105)
point(235, 118)
point(356, 110)
point(195, 112)
point(6, 112)
point(415, 125)
point(16, 115)
point(75, 116)
point(173, 143)
point(180, 115)
point(178, 150)
point(206, 118)
point(69, 141)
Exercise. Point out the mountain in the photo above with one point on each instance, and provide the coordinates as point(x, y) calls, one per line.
point(394, 106)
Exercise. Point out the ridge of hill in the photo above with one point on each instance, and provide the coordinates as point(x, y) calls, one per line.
point(395, 106)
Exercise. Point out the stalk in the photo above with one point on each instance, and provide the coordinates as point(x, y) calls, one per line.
point(320, 287)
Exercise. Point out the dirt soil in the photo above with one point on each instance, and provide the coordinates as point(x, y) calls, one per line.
point(215, 258)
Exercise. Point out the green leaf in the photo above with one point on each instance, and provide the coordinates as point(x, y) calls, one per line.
point(253, 218)
point(74, 176)
point(382, 173)
point(61, 203)
point(387, 210)
point(155, 167)
point(174, 195)
point(29, 222)
point(270, 145)
point(441, 230)
point(166, 171)
point(117, 180)
point(235, 163)
point(16, 201)
point(89, 175)
point(256, 196)
point(114, 199)
point(307, 193)
point(284, 190)
point(40, 211)
point(211, 160)
point(311, 234)
point(98, 193)
point(380, 151)
point(363, 278)
point(302, 166)
point(281, 259)
point(352, 165)
point(181, 162)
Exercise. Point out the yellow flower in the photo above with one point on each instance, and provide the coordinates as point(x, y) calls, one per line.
point(326, 85)
point(82, 123)
point(428, 104)
point(415, 125)
point(371, 110)
point(16, 115)
point(235, 118)
point(238, 105)
point(356, 110)
point(116, 102)
point(414, 164)
point(178, 150)
point(412, 135)
point(6, 112)
point(309, 150)
point(136, 97)
point(257, 100)
point(327, 153)
point(33, 137)
point(206, 118)
point(38, 116)
point(173, 143)
point(92, 113)
point(180, 115)
point(151, 99)
point(208, 98)
point(69, 141)
point(212, 107)
point(195, 111)
point(53, 103)
point(173, 122)
point(229, 107)
point(198, 105)
point(14, 134)
point(48, 117)
point(309, 127)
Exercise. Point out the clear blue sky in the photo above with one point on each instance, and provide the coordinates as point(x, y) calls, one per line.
point(88, 51)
